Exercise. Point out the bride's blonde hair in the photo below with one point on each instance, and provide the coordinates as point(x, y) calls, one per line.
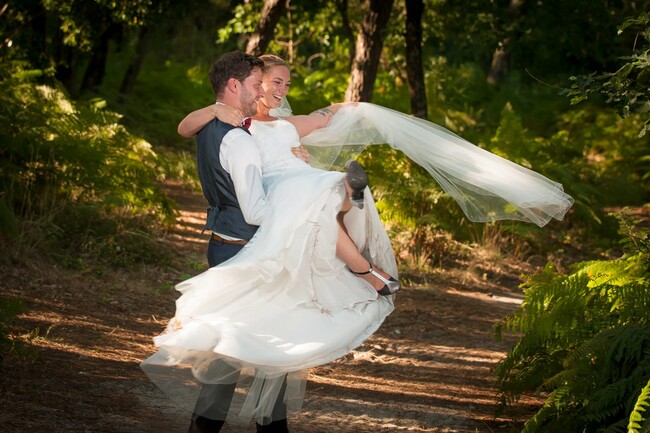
point(271, 61)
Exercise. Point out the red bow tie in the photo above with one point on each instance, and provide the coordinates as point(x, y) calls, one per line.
point(246, 123)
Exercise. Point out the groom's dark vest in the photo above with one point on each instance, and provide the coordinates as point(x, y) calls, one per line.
point(224, 214)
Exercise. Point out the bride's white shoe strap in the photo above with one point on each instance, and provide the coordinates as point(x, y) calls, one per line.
point(378, 275)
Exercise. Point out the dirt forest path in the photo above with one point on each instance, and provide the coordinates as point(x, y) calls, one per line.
point(428, 369)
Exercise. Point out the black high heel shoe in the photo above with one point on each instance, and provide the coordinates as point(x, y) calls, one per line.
point(391, 285)
point(358, 181)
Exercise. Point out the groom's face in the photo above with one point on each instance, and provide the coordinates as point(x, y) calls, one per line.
point(250, 92)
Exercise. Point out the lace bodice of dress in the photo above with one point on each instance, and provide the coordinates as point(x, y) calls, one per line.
point(274, 141)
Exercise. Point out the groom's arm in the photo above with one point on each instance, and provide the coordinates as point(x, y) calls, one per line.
point(241, 159)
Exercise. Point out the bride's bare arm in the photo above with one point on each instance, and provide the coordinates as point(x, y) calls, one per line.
point(307, 123)
point(196, 120)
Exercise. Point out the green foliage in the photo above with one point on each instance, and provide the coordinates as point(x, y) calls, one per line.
point(627, 88)
point(161, 98)
point(9, 309)
point(608, 160)
point(244, 21)
point(585, 340)
point(62, 161)
point(78, 23)
point(321, 86)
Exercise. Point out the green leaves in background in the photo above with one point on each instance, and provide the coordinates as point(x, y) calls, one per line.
point(627, 88)
point(60, 157)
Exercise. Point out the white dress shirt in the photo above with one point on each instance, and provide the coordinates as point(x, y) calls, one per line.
point(240, 158)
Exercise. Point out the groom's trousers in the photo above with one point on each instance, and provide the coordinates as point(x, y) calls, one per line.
point(214, 399)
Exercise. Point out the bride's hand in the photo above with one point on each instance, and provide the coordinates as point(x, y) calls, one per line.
point(228, 114)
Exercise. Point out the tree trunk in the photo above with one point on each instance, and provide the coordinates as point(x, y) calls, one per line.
point(499, 63)
point(96, 68)
point(134, 67)
point(368, 50)
point(271, 14)
point(38, 46)
point(66, 61)
point(342, 6)
point(414, 70)
point(501, 55)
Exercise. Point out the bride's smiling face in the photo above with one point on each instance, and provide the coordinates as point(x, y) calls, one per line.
point(275, 84)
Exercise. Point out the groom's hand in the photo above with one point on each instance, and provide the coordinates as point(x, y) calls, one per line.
point(301, 153)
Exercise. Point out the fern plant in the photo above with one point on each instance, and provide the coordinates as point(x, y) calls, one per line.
point(585, 341)
point(640, 423)
point(66, 168)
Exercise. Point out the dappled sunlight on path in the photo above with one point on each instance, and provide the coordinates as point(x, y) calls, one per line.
point(428, 368)
point(187, 234)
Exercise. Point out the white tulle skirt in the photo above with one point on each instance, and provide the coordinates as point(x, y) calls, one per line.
point(284, 304)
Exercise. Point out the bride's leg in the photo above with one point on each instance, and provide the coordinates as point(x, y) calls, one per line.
point(347, 251)
point(345, 207)
point(339, 218)
point(347, 204)
point(355, 182)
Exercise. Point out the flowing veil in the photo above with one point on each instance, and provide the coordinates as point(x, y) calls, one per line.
point(486, 186)
point(283, 110)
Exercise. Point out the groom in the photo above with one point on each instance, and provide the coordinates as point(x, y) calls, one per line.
point(229, 168)
point(228, 161)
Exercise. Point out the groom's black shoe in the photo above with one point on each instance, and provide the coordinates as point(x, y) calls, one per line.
point(279, 426)
point(358, 181)
point(200, 424)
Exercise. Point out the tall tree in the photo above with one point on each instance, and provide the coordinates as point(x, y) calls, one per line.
point(96, 69)
point(271, 14)
point(132, 71)
point(414, 70)
point(342, 7)
point(368, 50)
point(501, 54)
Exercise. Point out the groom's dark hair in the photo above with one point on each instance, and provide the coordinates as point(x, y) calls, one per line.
point(236, 64)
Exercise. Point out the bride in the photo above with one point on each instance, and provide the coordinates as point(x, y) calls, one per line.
point(287, 301)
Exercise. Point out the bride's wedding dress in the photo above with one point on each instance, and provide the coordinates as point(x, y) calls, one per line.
point(286, 302)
